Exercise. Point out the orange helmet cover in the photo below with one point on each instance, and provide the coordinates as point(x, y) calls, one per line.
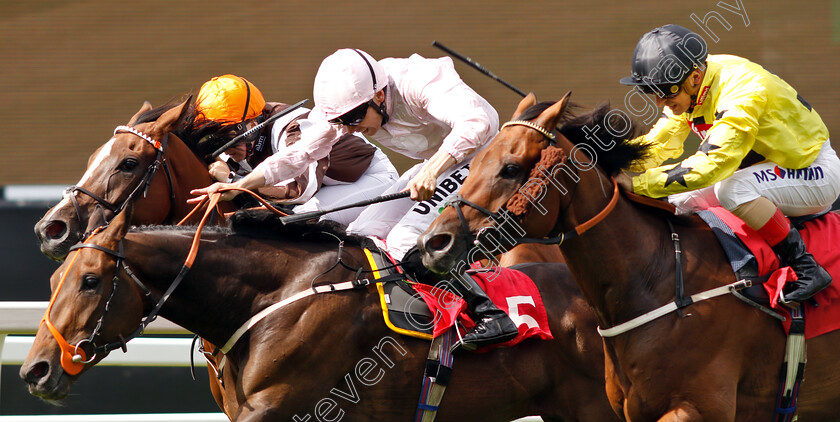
point(229, 99)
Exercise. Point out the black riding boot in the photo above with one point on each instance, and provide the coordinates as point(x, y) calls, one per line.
point(811, 276)
point(492, 325)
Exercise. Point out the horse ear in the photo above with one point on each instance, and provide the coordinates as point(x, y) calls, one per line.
point(530, 100)
point(168, 120)
point(144, 108)
point(551, 116)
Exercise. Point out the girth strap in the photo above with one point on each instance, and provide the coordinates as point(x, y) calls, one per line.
point(437, 376)
point(679, 296)
point(793, 369)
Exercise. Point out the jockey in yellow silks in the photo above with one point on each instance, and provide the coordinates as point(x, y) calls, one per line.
point(765, 152)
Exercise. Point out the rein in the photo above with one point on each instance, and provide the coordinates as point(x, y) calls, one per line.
point(160, 160)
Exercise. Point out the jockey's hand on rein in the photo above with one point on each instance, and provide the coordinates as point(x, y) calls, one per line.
point(215, 187)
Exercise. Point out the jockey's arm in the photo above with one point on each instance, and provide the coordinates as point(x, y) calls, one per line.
point(423, 185)
point(253, 180)
point(315, 143)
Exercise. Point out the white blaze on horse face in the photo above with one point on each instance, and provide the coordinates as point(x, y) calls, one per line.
point(103, 153)
point(65, 201)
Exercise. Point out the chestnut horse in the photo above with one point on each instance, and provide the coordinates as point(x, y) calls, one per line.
point(143, 162)
point(720, 364)
point(124, 169)
point(329, 354)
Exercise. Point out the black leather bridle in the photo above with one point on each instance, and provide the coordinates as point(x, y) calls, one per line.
point(142, 186)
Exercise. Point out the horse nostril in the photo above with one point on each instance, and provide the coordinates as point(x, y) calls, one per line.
point(439, 242)
point(55, 229)
point(37, 372)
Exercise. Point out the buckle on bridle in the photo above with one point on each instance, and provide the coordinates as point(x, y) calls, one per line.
point(359, 283)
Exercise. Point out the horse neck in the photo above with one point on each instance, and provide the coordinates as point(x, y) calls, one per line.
point(620, 262)
point(222, 290)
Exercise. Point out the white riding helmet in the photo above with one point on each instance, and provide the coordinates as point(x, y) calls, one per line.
point(345, 80)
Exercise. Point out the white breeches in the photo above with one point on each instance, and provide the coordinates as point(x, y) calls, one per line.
point(401, 221)
point(796, 192)
point(380, 175)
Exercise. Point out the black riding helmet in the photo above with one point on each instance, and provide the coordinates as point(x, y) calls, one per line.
point(664, 57)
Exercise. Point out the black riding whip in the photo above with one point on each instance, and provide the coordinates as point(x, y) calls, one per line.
point(233, 141)
point(315, 214)
point(476, 66)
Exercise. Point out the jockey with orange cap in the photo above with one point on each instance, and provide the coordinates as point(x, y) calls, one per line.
point(229, 105)
point(419, 108)
point(765, 153)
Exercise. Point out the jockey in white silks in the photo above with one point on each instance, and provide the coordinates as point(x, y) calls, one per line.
point(353, 170)
point(419, 108)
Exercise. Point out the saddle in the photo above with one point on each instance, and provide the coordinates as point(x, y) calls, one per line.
point(424, 311)
point(752, 258)
point(427, 312)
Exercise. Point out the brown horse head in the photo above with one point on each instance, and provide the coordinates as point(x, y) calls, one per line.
point(83, 288)
point(144, 163)
point(507, 164)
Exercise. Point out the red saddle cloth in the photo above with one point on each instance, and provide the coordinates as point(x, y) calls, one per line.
point(822, 238)
point(512, 291)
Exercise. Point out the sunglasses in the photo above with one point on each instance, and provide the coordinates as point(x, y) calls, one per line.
point(658, 90)
point(352, 117)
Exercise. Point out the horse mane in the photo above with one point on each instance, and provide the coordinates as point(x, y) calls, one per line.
point(262, 223)
point(200, 136)
point(186, 229)
point(593, 129)
point(258, 222)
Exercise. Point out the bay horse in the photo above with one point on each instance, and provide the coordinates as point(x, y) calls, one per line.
point(329, 354)
point(143, 162)
point(722, 363)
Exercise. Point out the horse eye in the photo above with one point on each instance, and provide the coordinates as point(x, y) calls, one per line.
point(90, 281)
point(128, 164)
point(511, 171)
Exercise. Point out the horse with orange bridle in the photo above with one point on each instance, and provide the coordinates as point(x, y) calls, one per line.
point(721, 363)
point(328, 353)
